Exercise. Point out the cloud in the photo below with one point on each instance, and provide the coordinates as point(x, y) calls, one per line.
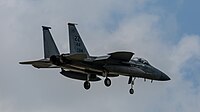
point(105, 26)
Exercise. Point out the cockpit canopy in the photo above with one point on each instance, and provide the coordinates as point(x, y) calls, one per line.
point(140, 60)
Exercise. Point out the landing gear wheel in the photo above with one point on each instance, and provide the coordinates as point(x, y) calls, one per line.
point(107, 82)
point(132, 82)
point(131, 91)
point(87, 85)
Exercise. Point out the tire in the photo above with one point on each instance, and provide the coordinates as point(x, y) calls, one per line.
point(131, 91)
point(87, 85)
point(107, 82)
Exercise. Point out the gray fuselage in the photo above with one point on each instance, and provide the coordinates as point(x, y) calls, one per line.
point(132, 68)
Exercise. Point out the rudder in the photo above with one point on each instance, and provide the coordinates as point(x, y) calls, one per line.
point(49, 44)
point(75, 41)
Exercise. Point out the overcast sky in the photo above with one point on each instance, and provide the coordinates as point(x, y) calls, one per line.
point(166, 33)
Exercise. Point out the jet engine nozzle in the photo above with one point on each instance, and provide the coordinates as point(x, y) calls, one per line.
point(55, 59)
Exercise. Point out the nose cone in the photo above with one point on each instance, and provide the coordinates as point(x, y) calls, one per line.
point(164, 77)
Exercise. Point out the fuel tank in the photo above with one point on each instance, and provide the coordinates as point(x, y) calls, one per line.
point(79, 76)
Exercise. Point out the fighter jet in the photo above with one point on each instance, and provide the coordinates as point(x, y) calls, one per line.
point(78, 64)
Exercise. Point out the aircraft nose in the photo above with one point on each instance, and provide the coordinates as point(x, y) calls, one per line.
point(164, 77)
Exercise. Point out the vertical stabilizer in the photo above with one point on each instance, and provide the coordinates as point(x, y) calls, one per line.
point(75, 41)
point(49, 44)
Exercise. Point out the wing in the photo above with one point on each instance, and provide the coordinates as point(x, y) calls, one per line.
point(115, 57)
point(79, 57)
point(42, 63)
point(123, 56)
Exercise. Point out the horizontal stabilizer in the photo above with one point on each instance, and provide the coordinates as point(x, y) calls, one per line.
point(37, 61)
point(42, 63)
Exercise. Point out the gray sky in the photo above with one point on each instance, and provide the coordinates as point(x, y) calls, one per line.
point(152, 29)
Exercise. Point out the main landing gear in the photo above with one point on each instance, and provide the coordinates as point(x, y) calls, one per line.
point(131, 81)
point(107, 81)
point(87, 83)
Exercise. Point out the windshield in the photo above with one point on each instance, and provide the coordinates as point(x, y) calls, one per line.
point(141, 60)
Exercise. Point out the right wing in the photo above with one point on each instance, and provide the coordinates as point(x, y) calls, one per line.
point(115, 57)
point(79, 57)
point(122, 56)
